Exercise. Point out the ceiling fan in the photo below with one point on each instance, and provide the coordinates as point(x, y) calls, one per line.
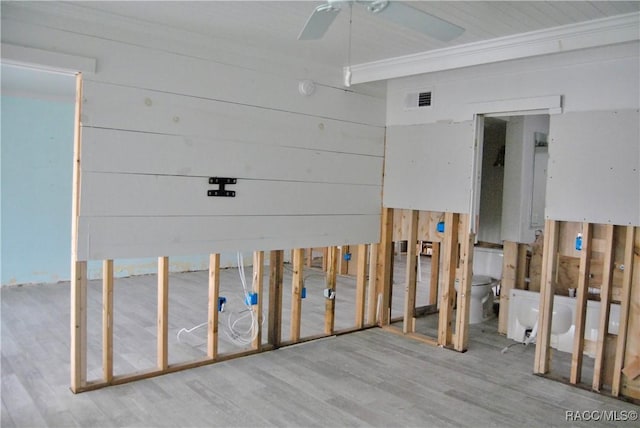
point(400, 13)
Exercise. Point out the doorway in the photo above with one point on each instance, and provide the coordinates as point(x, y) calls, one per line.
point(511, 188)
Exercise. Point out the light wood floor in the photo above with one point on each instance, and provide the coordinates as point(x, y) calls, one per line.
point(368, 378)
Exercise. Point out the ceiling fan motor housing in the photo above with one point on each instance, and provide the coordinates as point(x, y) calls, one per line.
point(377, 6)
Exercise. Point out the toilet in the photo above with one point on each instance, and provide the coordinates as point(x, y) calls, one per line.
point(487, 272)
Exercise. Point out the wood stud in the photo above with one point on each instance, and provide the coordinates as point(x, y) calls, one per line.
point(464, 293)
point(361, 284)
point(78, 326)
point(409, 325)
point(372, 292)
point(435, 273)
point(330, 304)
point(384, 269)
point(625, 298)
point(509, 268)
point(78, 318)
point(163, 313)
point(214, 294)
point(581, 304)
point(276, 277)
point(605, 300)
point(547, 288)
point(107, 320)
point(258, 271)
point(296, 293)
point(450, 253)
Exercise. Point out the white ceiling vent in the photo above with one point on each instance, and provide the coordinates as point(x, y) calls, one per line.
point(417, 99)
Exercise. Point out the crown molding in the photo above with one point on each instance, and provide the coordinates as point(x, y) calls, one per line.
point(588, 34)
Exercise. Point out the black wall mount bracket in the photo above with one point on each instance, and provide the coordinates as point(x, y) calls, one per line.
point(221, 190)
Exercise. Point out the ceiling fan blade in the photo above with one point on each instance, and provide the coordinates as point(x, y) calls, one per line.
point(421, 21)
point(319, 22)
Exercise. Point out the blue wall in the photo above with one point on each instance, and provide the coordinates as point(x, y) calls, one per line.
point(37, 153)
point(36, 170)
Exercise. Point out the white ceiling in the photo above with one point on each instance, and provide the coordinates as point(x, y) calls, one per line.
point(274, 25)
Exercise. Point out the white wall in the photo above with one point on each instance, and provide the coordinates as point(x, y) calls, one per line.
point(588, 80)
point(599, 79)
point(162, 114)
point(518, 177)
point(594, 167)
point(428, 167)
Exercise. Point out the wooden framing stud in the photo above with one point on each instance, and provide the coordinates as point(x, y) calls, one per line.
point(361, 284)
point(276, 277)
point(163, 313)
point(547, 287)
point(214, 294)
point(78, 326)
point(309, 256)
point(521, 271)
point(464, 293)
point(107, 320)
point(605, 300)
point(330, 303)
point(435, 273)
point(448, 287)
point(509, 268)
point(343, 264)
point(625, 297)
point(78, 319)
point(258, 270)
point(384, 270)
point(409, 325)
point(325, 254)
point(372, 292)
point(296, 293)
point(581, 304)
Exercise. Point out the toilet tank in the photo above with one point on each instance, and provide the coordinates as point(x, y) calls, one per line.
point(487, 261)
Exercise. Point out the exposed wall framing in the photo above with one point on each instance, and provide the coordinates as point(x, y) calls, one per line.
point(365, 290)
point(451, 260)
point(606, 269)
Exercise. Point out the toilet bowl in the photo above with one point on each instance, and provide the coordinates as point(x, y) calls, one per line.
point(481, 301)
point(487, 272)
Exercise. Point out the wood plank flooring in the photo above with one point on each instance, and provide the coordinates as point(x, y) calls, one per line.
point(368, 378)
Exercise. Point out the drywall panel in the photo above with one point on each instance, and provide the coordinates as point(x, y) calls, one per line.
point(594, 167)
point(126, 237)
point(260, 157)
point(165, 195)
point(428, 167)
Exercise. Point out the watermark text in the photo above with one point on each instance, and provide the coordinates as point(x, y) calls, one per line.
point(601, 415)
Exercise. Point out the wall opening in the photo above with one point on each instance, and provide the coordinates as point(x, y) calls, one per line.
point(512, 187)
